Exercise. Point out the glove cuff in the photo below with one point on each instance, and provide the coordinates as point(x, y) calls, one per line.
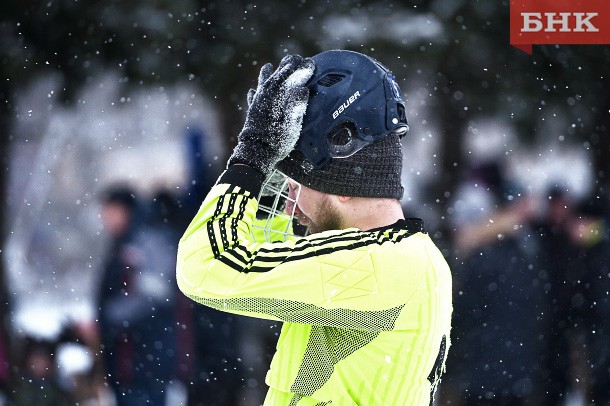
point(257, 156)
point(246, 177)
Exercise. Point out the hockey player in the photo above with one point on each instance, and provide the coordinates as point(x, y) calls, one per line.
point(365, 296)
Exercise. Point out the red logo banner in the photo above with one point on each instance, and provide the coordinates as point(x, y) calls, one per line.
point(559, 22)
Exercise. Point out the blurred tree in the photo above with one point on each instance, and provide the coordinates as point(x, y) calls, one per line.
point(5, 349)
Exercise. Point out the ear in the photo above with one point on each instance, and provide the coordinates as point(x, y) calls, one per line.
point(344, 199)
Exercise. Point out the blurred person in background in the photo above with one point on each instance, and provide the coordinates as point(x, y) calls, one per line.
point(589, 280)
point(207, 339)
point(366, 297)
point(80, 367)
point(137, 297)
point(498, 298)
point(37, 380)
point(556, 250)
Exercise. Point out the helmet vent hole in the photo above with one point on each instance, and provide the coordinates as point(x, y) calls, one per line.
point(330, 79)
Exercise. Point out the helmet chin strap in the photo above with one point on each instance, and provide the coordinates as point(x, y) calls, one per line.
point(276, 209)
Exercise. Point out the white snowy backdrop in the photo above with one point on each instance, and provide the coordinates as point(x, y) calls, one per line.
point(62, 158)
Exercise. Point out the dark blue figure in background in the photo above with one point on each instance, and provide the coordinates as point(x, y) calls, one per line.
point(200, 180)
point(590, 271)
point(211, 339)
point(499, 297)
point(137, 299)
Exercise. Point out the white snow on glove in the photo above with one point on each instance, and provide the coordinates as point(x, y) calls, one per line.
point(275, 115)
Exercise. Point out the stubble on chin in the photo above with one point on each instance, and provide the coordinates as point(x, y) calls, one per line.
point(327, 218)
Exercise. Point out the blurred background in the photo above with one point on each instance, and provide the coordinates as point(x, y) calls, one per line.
point(138, 103)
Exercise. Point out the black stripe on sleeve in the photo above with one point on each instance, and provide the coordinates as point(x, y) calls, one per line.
point(222, 221)
point(261, 263)
point(210, 227)
point(267, 257)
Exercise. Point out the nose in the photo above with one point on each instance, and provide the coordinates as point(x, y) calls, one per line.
point(293, 188)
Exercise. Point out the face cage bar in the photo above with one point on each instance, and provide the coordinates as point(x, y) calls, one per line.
point(272, 222)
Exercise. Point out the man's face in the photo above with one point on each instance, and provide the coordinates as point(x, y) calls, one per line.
point(115, 218)
point(315, 210)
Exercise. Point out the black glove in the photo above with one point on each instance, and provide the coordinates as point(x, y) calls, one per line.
point(275, 114)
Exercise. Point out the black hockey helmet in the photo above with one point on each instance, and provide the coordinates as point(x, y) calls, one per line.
point(353, 101)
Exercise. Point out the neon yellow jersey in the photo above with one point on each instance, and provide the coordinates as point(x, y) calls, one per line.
point(366, 314)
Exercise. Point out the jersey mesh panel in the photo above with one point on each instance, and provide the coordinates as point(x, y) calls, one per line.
point(306, 313)
point(326, 346)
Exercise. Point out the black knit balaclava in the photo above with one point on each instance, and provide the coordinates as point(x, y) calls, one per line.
point(374, 171)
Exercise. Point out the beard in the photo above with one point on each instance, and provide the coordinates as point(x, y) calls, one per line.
point(327, 218)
